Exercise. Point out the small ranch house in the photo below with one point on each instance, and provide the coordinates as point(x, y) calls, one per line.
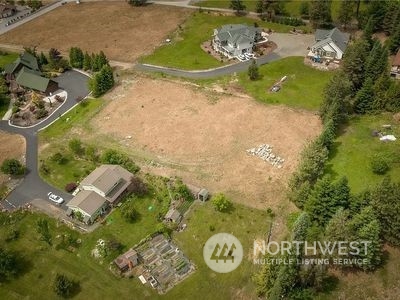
point(329, 44)
point(235, 39)
point(395, 68)
point(89, 204)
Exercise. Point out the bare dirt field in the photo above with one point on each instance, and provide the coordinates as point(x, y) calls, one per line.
point(11, 146)
point(123, 32)
point(204, 139)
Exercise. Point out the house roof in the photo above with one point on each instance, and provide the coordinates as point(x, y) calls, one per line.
point(396, 60)
point(109, 179)
point(123, 260)
point(237, 33)
point(340, 39)
point(173, 214)
point(30, 79)
point(87, 201)
point(27, 60)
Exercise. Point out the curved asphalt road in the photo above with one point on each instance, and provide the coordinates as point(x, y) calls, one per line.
point(202, 74)
point(32, 186)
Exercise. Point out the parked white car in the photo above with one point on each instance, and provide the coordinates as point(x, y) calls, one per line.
point(56, 199)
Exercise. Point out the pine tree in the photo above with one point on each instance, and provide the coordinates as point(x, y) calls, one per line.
point(342, 193)
point(354, 62)
point(42, 60)
point(394, 40)
point(377, 62)
point(392, 17)
point(237, 5)
point(87, 62)
point(320, 13)
point(321, 203)
point(367, 33)
point(253, 71)
point(393, 97)
point(363, 102)
point(346, 12)
point(102, 60)
point(381, 87)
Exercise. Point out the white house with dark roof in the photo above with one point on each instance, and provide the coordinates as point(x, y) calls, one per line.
point(329, 44)
point(235, 39)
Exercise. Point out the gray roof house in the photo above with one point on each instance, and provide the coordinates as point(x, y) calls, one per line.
point(235, 39)
point(89, 204)
point(109, 181)
point(329, 44)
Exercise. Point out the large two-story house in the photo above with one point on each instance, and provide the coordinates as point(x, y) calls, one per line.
point(235, 39)
point(102, 188)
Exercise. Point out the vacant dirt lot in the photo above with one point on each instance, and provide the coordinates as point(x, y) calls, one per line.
point(123, 32)
point(204, 139)
point(11, 146)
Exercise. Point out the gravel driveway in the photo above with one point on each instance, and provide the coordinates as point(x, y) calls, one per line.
point(291, 44)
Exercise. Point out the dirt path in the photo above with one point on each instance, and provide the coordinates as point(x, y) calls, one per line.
point(203, 138)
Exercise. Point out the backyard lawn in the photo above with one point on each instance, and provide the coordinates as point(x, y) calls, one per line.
point(302, 89)
point(355, 147)
point(97, 282)
point(184, 51)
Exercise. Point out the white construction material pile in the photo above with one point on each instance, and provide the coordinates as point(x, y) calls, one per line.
point(264, 152)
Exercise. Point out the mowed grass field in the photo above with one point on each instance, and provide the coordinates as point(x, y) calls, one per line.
point(303, 87)
point(123, 32)
point(97, 282)
point(355, 147)
point(184, 51)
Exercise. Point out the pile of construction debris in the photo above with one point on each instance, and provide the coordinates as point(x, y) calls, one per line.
point(264, 152)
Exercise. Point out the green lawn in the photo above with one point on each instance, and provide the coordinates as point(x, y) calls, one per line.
point(97, 282)
point(7, 58)
point(302, 89)
point(184, 51)
point(4, 60)
point(356, 146)
point(250, 4)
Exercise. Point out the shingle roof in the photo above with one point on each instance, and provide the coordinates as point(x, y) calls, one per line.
point(335, 35)
point(30, 79)
point(88, 201)
point(237, 33)
point(107, 177)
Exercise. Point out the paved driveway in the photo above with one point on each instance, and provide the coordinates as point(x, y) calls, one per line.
point(291, 44)
point(33, 187)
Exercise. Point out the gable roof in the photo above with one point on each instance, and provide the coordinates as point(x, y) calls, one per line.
point(30, 79)
point(340, 39)
point(87, 201)
point(109, 179)
point(26, 60)
point(237, 33)
point(396, 60)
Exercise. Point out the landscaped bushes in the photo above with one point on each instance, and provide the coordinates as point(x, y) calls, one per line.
point(288, 21)
point(70, 187)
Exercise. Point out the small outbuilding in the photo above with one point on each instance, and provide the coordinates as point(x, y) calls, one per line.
point(203, 195)
point(173, 216)
point(127, 261)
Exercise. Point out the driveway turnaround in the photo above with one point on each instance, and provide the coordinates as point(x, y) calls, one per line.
point(33, 187)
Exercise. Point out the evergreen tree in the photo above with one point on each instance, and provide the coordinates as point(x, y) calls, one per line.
point(137, 2)
point(253, 71)
point(354, 61)
point(385, 200)
point(363, 102)
point(393, 42)
point(392, 17)
point(321, 202)
point(367, 33)
point(76, 57)
point(393, 97)
point(346, 12)
point(87, 62)
point(102, 60)
point(320, 13)
point(377, 10)
point(260, 6)
point(377, 62)
point(42, 60)
point(237, 5)
point(342, 193)
point(381, 87)
point(102, 81)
